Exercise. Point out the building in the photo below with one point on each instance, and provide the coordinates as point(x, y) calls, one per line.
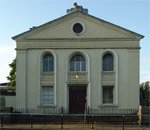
point(7, 96)
point(78, 61)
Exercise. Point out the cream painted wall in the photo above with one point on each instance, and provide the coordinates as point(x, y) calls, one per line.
point(98, 37)
point(21, 82)
point(128, 89)
point(100, 31)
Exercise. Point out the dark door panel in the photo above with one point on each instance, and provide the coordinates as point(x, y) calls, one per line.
point(77, 99)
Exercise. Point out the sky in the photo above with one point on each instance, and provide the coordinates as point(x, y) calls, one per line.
point(17, 16)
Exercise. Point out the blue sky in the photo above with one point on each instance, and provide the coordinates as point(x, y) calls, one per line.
point(17, 16)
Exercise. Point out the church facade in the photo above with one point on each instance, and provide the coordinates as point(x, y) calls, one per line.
point(77, 61)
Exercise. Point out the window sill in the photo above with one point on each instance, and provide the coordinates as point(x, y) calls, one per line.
point(108, 105)
point(108, 71)
point(79, 72)
point(47, 106)
point(47, 73)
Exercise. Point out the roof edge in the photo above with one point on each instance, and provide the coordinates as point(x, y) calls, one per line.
point(106, 22)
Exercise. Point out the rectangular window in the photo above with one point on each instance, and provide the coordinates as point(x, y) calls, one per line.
point(108, 94)
point(47, 95)
point(2, 102)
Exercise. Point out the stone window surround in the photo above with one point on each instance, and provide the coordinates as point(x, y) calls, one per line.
point(115, 55)
point(89, 83)
point(83, 25)
point(43, 52)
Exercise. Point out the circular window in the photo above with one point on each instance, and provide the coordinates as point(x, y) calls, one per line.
point(77, 28)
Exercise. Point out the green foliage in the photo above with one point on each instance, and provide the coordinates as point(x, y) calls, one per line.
point(145, 92)
point(12, 74)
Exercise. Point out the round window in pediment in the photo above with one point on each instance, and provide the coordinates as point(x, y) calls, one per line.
point(77, 28)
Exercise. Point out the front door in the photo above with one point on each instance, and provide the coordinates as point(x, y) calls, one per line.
point(77, 99)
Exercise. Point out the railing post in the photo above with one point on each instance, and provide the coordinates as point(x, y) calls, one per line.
point(92, 121)
point(123, 122)
point(31, 121)
point(88, 110)
point(61, 121)
point(62, 110)
point(1, 120)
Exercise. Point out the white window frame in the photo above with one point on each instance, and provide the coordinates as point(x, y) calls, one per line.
point(112, 65)
point(103, 95)
point(42, 98)
point(75, 62)
point(48, 70)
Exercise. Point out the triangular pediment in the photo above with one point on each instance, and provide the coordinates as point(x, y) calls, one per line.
point(61, 28)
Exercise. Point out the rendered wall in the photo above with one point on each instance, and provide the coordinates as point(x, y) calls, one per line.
point(98, 37)
point(128, 69)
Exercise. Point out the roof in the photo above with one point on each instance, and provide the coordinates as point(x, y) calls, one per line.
point(68, 15)
point(3, 84)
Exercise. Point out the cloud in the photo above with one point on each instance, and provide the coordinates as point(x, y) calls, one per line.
point(7, 54)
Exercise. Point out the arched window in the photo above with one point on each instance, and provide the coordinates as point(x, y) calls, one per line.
point(108, 62)
point(77, 63)
point(48, 63)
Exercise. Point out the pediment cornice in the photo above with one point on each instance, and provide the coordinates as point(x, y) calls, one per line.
point(78, 39)
point(67, 17)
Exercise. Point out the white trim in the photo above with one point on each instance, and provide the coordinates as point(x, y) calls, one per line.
point(89, 95)
point(100, 76)
point(55, 76)
point(87, 70)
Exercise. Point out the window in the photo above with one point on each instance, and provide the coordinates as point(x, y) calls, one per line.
point(2, 101)
point(108, 94)
point(77, 28)
point(47, 96)
point(48, 63)
point(108, 62)
point(77, 63)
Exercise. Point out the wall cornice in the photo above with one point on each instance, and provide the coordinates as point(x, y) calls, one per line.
point(77, 39)
point(129, 48)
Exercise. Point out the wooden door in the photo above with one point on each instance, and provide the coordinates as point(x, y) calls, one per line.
point(77, 99)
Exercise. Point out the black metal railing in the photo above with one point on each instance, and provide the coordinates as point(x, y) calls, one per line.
point(71, 121)
point(101, 111)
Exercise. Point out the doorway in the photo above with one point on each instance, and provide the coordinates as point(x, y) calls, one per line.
point(77, 99)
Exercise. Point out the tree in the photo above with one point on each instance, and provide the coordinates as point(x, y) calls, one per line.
point(12, 74)
point(145, 93)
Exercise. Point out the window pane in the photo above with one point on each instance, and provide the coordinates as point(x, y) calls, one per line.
point(83, 67)
point(51, 68)
point(107, 94)
point(72, 66)
point(77, 63)
point(48, 62)
point(47, 97)
point(51, 62)
point(82, 58)
point(78, 66)
point(108, 62)
point(77, 57)
point(73, 58)
point(45, 68)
